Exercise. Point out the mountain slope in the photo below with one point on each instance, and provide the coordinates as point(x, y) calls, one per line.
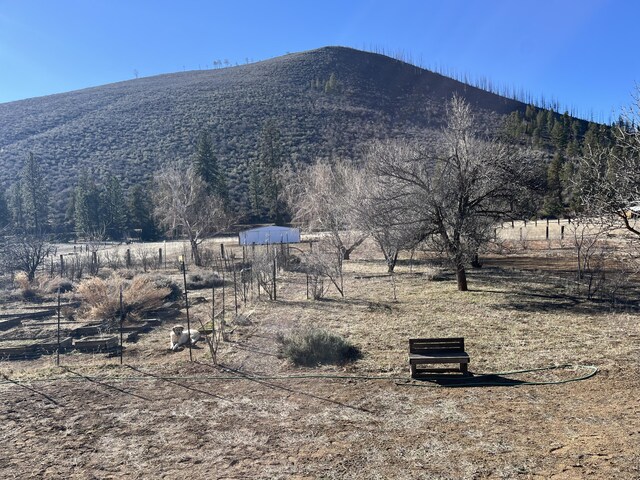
point(327, 102)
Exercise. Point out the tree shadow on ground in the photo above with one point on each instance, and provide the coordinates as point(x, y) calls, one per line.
point(536, 292)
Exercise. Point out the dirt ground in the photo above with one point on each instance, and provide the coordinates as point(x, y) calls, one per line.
point(255, 416)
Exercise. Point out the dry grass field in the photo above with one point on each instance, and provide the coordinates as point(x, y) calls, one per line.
point(255, 416)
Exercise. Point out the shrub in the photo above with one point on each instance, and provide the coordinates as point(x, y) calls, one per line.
point(51, 285)
point(197, 281)
point(101, 298)
point(317, 346)
point(175, 291)
point(27, 291)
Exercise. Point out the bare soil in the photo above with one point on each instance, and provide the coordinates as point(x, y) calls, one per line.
point(160, 415)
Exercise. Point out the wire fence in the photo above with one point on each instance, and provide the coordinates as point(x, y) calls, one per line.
point(239, 276)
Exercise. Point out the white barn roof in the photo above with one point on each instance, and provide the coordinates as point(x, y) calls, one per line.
point(269, 235)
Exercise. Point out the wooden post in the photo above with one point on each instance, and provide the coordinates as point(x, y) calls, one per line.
point(235, 289)
point(128, 258)
point(513, 224)
point(547, 233)
point(562, 232)
point(186, 306)
point(121, 321)
point(223, 287)
point(61, 265)
point(275, 297)
point(159, 257)
point(58, 351)
point(520, 233)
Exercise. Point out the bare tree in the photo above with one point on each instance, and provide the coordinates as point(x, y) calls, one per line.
point(381, 210)
point(607, 177)
point(590, 245)
point(322, 199)
point(183, 206)
point(449, 189)
point(324, 262)
point(25, 253)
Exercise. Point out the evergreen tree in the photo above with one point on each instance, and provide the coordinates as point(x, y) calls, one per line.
point(255, 203)
point(141, 213)
point(271, 160)
point(559, 136)
point(87, 211)
point(553, 203)
point(16, 207)
point(5, 215)
point(114, 209)
point(207, 166)
point(35, 199)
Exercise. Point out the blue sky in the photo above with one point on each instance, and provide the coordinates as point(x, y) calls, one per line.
point(581, 52)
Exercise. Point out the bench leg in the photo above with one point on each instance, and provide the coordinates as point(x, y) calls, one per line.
point(464, 368)
point(413, 371)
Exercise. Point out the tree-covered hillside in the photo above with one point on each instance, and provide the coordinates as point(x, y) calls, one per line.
point(325, 103)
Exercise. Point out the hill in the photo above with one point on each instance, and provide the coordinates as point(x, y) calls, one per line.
point(326, 102)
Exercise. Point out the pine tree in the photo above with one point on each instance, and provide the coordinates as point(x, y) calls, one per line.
point(553, 203)
point(35, 199)
point(559, 136)
point(16, 207)
point(208, 167)
point(87, 212)
point(114, 209)
point(271, 160)
point(255, 203)
point(5, 215)
point(140, 213)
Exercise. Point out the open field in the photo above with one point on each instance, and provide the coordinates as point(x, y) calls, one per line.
point(256, 416)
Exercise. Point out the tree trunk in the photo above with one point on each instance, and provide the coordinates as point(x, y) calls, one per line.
point(461, 277)
point(195, 253)
point(391, 262)
point(475, 262)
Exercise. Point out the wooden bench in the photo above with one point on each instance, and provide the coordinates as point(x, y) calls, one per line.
point(437, 350)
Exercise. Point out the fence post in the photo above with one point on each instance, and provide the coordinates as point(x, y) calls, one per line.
point(61, 265)
point(121, 321)
point(547, 233)
point(58, 351)
point(128, 258)
point(160, 258)
point(186, 306)
point(562, 232)
point(275, 297)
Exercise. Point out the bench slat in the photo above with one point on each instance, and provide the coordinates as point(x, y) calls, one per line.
point(424, 351)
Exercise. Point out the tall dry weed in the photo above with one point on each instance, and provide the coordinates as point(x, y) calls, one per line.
point(101, 297)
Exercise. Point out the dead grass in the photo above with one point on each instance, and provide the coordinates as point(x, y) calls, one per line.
point(349, 428)
point(101, 298)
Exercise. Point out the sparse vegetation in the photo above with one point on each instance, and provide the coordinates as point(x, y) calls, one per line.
point(197, 281)
point(316, 346)
point(101, 298)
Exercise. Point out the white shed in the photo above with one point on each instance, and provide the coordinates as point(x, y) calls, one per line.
point(269, 235)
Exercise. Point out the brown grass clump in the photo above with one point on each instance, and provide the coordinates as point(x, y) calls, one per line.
point(101, 298)
point(316, 346)
point(26, 289)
